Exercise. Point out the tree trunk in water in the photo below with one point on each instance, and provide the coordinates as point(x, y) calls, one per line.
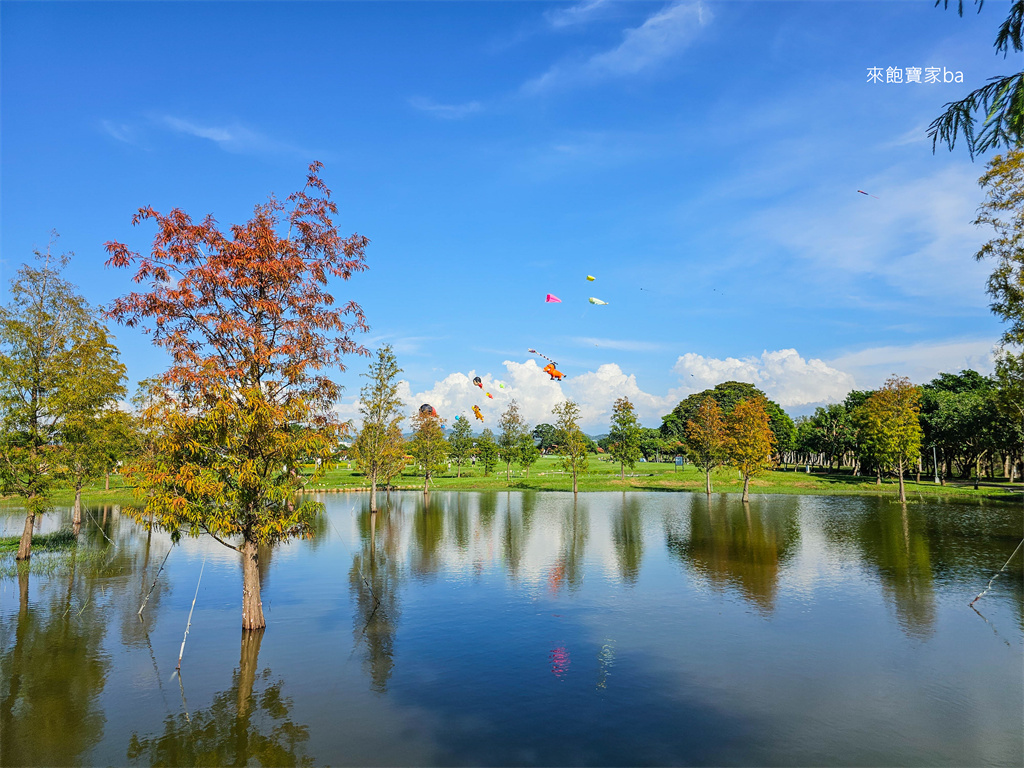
point(373, 494)
point(903, 493)
point(426, 482)
point(252, 604)
point(746, 488)
point(25, 547)
point(76, 519)
point(707, 482)
point(248, 663)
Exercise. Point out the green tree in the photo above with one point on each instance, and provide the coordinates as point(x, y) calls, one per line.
point(510, 439)
point(250, 329)
point(1002, 100)
point(750, 440)
point(707, 440)
point(528, 452)
point(832, 433)
point(91, 440)
point(428, 445)
point(487, 451)
point(571, 440)
point(625, 435)
point(58, 373)
point(890, 418)
point(727, 394)
point(547, 437)
point(379, 450)
point(1003, 210)
point(960, 415)
point(460, 444)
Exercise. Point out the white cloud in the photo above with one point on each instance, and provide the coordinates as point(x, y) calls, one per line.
point(917, 237)
point(796, 383)
point(234, 138)
point(783, 375)
point(660, 37)
point(920, 362)
point(120, 131)
point(445, 111)
point(577, 13)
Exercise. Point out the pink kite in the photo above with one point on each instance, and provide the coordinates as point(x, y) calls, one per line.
point(552, 299)
point(867, 193)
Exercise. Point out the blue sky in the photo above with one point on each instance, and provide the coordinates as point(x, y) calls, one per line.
point(700, 159)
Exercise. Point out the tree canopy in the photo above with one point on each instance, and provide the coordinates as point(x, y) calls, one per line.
point(59, 372)
point(727, 394)
point(1001, 100)
point(251, 331)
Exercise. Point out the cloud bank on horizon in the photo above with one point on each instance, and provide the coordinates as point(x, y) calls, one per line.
point(797, 384)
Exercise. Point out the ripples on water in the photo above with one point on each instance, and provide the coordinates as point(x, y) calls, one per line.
point(526, 628)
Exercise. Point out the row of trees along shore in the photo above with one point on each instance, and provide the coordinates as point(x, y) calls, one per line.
point(224, 441)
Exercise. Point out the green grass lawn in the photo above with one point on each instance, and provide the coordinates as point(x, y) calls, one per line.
point(546, 475)
point(602, 475)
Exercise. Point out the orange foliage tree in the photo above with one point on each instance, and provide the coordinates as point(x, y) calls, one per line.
point(251, 328)
point(707, 439)
point(751, 439)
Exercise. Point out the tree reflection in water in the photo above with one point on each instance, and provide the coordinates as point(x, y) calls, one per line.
point(375, 579)
point(738, 546)
point(52, 674)
point(893, 539)
point(248, 723)
point(628, 535)
point(569, 567)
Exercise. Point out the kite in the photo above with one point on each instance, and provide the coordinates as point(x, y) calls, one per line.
point(591, 278)
point(478, 382)
point(476, 412)
point(489, 395)
point(552, 299)
point(502, 386)
point(535, 352)
point(867, 193)
point(551, 371)
point(597, 301)
point(428, 409)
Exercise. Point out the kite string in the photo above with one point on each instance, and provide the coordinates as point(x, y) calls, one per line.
point(189, 625)
point(996, 575)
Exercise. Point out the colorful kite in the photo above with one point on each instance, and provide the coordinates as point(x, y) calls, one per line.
point(478, 382)
point(867, 193)
point(552, 299)
point(489, 395)
point(591, 278)
point(553, 372)
point(597, 301)
point(428, 409)
point(476, 412)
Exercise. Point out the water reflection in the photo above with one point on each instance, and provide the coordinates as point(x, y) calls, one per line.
point(375, 579)
point(501, 627)
point(568, 567)
point(737, 546)
point(248, 723)
point(894, 540)
point(628, 534)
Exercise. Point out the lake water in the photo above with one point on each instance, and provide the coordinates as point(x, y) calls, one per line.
point(529, 629)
